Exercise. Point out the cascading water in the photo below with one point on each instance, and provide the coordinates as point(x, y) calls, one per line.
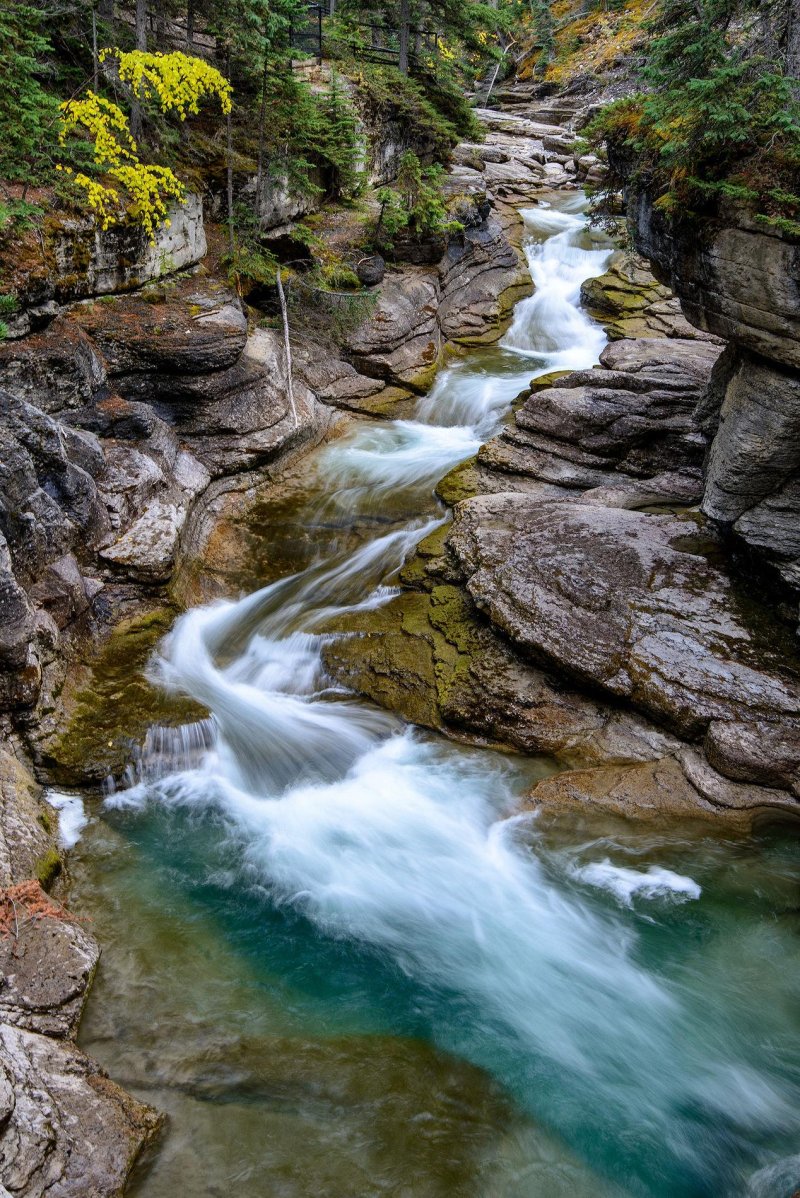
point(532, 960)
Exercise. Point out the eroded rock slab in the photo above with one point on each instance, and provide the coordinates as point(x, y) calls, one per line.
point(634, 416)
point(66, 1130)
point(629, 603)
point(46, 969)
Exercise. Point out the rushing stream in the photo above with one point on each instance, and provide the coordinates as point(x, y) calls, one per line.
point(344, 965)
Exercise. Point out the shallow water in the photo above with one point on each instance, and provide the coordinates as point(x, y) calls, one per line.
point(342, 960)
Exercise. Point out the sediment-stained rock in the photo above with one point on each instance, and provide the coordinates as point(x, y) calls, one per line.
point(666, 789)
point(46, 966)
point(65, 1129)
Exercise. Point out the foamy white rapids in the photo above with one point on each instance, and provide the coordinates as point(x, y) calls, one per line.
point(551, 326)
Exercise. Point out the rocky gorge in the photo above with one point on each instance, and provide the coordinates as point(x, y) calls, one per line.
point(131, 421)
point(586, 602)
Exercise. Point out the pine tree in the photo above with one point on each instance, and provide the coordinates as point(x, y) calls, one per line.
point(28, 113)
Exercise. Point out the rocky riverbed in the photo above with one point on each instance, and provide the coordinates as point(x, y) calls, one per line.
point(585, 601)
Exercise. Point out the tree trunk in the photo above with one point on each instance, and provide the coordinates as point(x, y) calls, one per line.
point(793, 44)
point(405, 20)
point(141, 24)
point(141, 44)
point(95, 59)
point(231, 236)
point(262, 120)
point(161, 24)
point(287, 345)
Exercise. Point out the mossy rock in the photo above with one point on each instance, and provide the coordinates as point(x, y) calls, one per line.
point(459, 483)
point(48, 867)
point(414, 655)
point(114, 703)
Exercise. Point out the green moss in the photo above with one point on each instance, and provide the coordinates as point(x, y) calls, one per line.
point(548, 380)
point(47, 868)
point(460, 483)
point(46, 820)
point(414, 655)
point(115, 703)
point(340, 277)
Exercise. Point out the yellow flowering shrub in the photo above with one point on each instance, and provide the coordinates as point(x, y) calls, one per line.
point(178, 82)
point(134, 188)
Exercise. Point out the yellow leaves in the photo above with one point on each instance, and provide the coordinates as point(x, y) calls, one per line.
point(104, 122)
point(149, 190)
point(179, 83)
point(104, 202)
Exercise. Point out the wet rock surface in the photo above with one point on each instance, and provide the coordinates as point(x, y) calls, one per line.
point(627, 602)
point(127, 424)
point(67, 1130)
point(630, 302)
point(631, 418)
point(738, 280)
point(562, 614)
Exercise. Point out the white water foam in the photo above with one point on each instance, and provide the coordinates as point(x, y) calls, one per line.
point(72, 817)
point(551, 325)
point(627, 884)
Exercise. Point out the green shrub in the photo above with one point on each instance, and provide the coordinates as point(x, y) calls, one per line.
point(417, 203)
point(340, 277)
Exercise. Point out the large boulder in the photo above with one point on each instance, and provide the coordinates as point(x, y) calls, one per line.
point(735, 278)
point(72, 257)
point(190, 329)
point(482, 277)
point(639, 607)
point(401, 342)
point(632, 416)
point(66, 1130)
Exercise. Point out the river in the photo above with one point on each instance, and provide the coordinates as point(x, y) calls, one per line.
point(342, 961)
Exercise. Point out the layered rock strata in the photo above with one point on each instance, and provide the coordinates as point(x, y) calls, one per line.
point(128, 423)
point(566, 612)
point(738, 279)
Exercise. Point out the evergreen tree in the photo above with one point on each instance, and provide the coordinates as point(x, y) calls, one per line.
point(28, 113)
point(543, 27)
